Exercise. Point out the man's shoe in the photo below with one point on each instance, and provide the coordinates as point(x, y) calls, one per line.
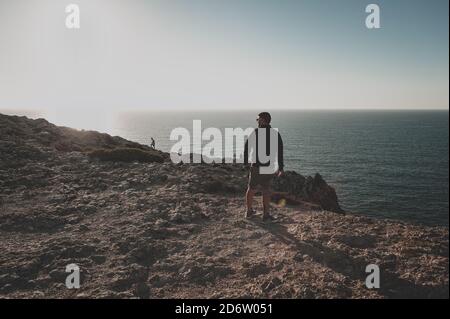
point(249, 213)
point(268, 218)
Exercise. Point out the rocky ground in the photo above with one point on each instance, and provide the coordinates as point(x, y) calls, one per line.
point(160, 230)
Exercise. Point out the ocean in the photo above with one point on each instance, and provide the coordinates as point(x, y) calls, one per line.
point(386, 164)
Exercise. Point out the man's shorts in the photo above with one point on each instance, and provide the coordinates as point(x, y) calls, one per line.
point(257, 180)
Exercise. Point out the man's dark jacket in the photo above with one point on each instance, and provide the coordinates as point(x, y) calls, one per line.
point(279, 150)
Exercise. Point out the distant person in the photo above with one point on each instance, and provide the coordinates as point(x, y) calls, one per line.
point(256, 177)
point(152, 143)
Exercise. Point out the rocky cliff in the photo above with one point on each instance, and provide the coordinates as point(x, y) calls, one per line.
point(139, 226)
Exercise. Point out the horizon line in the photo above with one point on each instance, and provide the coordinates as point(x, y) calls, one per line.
point(122, 110)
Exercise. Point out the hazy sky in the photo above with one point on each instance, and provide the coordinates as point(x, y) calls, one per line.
point(211, 54)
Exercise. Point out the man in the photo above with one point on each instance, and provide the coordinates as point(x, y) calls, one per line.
point(260, 172)
point(152, 143)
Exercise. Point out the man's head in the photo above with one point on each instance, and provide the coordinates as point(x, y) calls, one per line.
point(263, 119)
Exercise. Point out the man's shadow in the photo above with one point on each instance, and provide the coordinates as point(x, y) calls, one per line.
point(391, 285)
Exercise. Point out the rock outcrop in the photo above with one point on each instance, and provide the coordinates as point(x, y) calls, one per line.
point(23, 139)
point(310, 189)
point(153, 229)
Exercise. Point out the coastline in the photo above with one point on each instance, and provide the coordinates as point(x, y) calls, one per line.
point(159, 230)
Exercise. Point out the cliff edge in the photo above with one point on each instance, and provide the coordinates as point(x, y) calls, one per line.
point(139, 226)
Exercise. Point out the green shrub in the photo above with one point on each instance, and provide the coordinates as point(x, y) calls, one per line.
point(126, 155)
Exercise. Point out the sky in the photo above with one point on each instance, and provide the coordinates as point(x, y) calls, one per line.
point(223, 54)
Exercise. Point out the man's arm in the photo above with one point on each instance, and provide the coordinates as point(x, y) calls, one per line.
point(280, 153)
point(246, 152)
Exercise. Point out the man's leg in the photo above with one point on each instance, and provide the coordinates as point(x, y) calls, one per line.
point(249, 199)
point(250, 192)
point(266, 202)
